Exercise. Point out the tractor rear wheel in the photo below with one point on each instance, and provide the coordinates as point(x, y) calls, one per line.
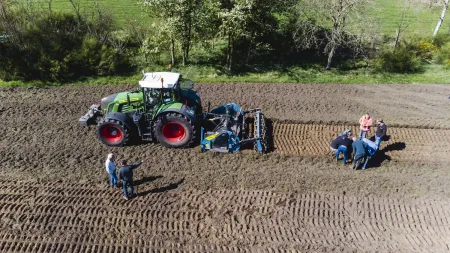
point(173, 130)
point(112, 132)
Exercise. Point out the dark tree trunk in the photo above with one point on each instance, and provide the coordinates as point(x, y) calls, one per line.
point(229, 51)
point(172, 53)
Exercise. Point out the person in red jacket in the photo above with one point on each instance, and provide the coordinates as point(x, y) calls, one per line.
point(365, 122)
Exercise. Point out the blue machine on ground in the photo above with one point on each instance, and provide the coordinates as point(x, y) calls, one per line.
point(372, 148)
point(226, 129)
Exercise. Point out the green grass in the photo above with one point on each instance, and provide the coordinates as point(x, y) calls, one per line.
point(433, 74)
point(421, 18)
point(122, 10)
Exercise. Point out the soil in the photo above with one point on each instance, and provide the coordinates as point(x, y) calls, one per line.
point(55, 195)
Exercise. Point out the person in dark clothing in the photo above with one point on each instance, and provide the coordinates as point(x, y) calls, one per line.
point(381, 132)
point(126, 175)
point(338, 141)
point(345, 148)
point(335, 144)
point(360, 153)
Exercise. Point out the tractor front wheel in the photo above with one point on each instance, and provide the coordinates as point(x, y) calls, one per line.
point(112, 132)
point(174, 130)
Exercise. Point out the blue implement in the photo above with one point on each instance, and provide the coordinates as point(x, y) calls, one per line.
point(224, 129)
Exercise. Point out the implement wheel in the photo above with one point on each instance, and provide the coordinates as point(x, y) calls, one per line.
point(112, 132)
point(263, 130)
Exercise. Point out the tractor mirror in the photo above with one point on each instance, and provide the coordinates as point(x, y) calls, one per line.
point(128, 99)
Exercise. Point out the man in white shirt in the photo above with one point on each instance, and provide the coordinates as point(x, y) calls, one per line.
point(111, 169)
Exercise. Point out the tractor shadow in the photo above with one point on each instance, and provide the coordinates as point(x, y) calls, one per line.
point(381, 156)
point(169, 187)
point(133, 142)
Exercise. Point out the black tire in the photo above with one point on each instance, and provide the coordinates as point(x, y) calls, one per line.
point(263, 127)
point(112, 132)
point(174, 130)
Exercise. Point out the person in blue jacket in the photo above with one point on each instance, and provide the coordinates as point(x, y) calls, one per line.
point(126, 175)
point(363, 149)
point(359, 153)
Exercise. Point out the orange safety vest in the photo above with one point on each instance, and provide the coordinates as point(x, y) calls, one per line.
point(365, 123)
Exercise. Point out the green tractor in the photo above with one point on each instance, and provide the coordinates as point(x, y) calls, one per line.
point(164, 108)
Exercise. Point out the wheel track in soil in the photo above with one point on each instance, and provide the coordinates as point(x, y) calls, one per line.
point(58, 217)
point(404, 144)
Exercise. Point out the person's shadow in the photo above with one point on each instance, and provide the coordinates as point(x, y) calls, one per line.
point(146, 180)
point(381, 156)
point(171, 186)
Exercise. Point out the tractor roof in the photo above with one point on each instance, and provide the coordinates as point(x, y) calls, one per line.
point(158, 80)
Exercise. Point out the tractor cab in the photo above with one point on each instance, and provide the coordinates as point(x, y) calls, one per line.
point(158, 88)
point(161, 88)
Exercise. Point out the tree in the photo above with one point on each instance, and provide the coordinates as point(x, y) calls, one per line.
point(249, 22)
point(178, 17)
point(441, 18)
point(402, 25)
point(235, 16)
point(344, 18)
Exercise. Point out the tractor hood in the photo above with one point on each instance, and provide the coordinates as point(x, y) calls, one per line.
point(106, 100)
point(121, 98)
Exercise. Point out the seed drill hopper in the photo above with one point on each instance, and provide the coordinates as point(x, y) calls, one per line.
point(227, 129)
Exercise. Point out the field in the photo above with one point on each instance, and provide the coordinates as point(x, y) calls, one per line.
point(55, 196)
point(421, 18)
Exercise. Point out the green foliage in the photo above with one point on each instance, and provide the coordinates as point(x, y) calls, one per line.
point(441, 39)
point(178, 20)
point(442, 56)
point(425, 49)
point(242, 38)
point(57, 47)
point(401, 60)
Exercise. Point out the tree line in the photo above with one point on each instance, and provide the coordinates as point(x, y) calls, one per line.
point(231, 34)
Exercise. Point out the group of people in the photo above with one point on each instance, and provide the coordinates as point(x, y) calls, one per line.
point(125, 174)
point(362, 148)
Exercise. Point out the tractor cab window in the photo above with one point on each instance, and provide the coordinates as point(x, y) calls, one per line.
point(166, 95)
point(151, 97)
point(186, 84)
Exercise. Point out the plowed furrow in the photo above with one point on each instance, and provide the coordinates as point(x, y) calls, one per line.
point(404, 144)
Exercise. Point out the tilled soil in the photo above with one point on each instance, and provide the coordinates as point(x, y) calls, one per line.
point(54, 195)
point(83, 218)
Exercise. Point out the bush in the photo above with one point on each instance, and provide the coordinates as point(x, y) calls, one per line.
point(441, 39)
point(402, 60)
point(58, 47)
point(442, 56)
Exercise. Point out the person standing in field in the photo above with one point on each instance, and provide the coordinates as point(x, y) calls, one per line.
point(380, 133)
point(126, 175)
point(365, 122)
point(111, 169)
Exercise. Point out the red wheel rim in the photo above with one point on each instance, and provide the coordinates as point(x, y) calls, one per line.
point(111, 133)
point(173, 132)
